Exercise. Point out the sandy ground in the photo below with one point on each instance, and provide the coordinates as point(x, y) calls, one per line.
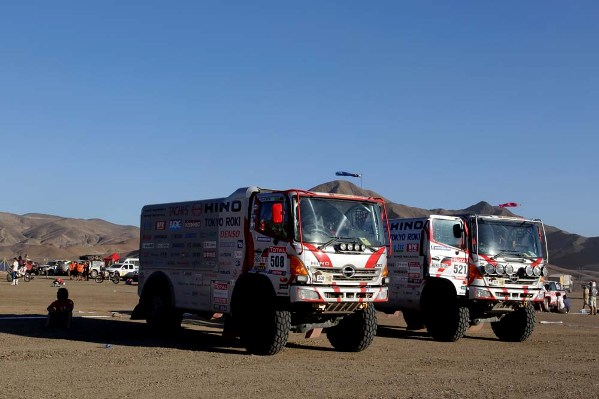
point(107, 355)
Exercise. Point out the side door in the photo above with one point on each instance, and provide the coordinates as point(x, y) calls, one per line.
point(448, 251)
point(271, 234)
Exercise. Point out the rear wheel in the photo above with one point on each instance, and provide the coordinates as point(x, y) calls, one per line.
point(115, 278)
point(9, 277)
point(99, 278)
point(355, 332)
point(516, 326)
point(162, 316)
point(27, 277)
point(94, 273)
point(413, 319)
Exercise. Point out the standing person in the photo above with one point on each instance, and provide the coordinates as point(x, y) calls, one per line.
point(593, 298)
point(585, 297)
point(79, 271)
point(14, 270)
point(86, 270)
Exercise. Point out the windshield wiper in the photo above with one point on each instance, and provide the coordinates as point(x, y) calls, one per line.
point(326, 244)
point(505, 251)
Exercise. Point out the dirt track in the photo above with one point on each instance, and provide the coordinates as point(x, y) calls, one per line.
point(559, 360)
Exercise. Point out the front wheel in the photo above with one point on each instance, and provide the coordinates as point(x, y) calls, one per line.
point(448, 322)
point(263, 327)
point(355, 332)
point(9, 277)
point(115, 278)
point(27, 277)
point(99, 278)
point(516, 326)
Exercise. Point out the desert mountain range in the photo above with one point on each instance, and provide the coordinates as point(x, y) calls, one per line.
point(52, 237)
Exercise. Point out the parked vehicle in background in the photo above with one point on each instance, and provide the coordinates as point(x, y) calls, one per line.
point(129, 268)
point(95, 267)
point(565, 280)
point(554, 295)
point(55, 268)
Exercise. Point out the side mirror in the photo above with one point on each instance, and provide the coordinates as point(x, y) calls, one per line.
point(277, 213)
point(457, 230)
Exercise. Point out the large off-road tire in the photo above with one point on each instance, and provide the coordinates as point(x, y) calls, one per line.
point(516, 326)
point(355, 332)
point(161, 315)
point(448, 321)
point(413, 319)
point(263, 327)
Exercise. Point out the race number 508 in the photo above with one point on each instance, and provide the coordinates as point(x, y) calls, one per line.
point(277, 261)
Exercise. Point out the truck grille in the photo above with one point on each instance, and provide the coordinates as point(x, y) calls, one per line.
point(341, 275)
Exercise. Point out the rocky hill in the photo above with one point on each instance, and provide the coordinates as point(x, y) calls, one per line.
point(53, 237)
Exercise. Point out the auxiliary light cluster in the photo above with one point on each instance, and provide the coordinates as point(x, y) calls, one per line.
point(501, 269)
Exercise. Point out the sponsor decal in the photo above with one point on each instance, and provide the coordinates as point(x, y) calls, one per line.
point(209, 244)
point(283, 286)
point(175, 224)
point(239, 244)
point(407, 225)
point(196, 209)
point(440, 248)
point(161, 225)
point(279, 250)
point(238, 254)
point(163, 245)
point(180, 210)
point(146, 237)
point(209, 254)
point(217, 207)
point(413, 247)
point(192, 224)
point(230, 234)
point(227, 244)
point(264, 239)
point(147, 245)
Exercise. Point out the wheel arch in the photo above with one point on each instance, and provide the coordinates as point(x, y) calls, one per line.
point(437, 289)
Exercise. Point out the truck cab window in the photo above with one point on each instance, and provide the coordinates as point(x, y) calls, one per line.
point(443, 233)
point(268, 224)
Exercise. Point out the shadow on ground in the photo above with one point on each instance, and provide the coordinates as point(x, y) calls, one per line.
point(122, 331)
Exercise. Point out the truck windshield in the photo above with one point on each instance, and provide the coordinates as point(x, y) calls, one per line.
point(509, 237)
point(323, 219)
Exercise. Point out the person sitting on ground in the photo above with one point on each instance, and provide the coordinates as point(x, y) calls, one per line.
point(60, 312)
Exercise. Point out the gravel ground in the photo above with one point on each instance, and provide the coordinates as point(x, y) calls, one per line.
point(106, 355)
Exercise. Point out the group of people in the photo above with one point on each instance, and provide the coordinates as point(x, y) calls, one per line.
point(590, 297)
point(18, 268)
point(79, 270)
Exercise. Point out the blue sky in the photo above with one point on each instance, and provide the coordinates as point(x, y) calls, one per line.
point(108, 106)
